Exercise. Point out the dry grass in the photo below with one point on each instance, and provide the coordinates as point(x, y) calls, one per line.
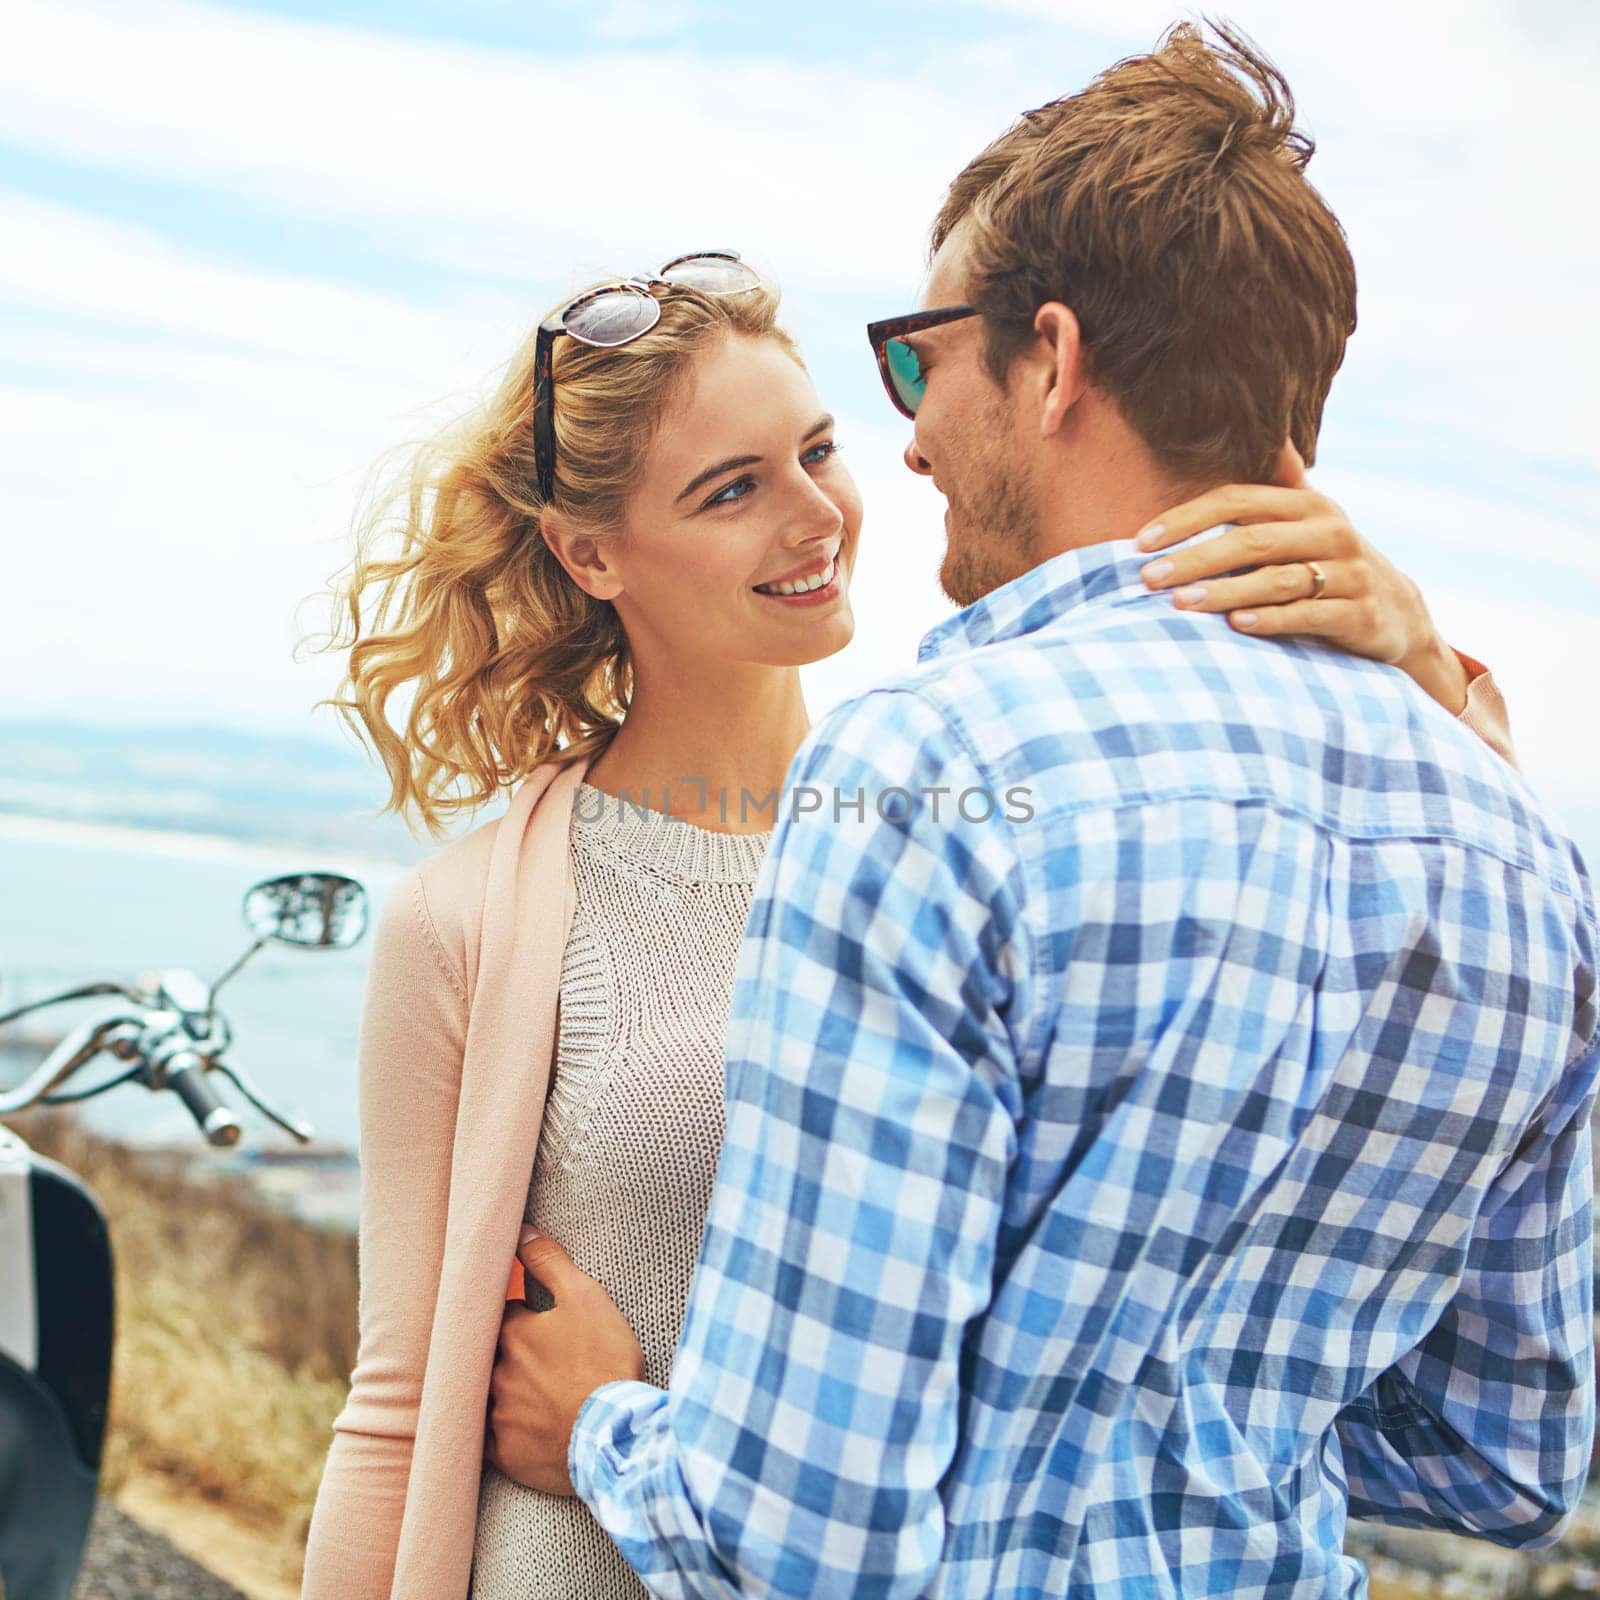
point(236, 1333)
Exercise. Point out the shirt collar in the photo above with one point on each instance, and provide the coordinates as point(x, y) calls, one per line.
point(1106, 571)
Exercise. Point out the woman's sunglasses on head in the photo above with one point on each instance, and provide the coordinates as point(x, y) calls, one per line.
point(898, 365)
point(616, 314)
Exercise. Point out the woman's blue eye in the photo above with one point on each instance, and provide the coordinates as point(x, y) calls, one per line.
point(721, 497)
point(817, 454)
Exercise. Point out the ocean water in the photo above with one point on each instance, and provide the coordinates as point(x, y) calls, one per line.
point(80, 902)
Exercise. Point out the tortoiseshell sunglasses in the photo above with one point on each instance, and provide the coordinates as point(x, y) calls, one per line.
point(897, 361)
point(617, 314)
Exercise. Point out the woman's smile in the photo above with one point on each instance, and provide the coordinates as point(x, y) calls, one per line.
point(816, 588)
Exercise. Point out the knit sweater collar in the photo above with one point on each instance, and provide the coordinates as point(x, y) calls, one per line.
point(665, 844)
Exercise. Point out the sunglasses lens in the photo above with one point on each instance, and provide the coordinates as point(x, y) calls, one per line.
point(712, 274)
point(612, 318)
point(905, 373)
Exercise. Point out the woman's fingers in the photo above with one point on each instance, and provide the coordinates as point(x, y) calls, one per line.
point(1278, 600)
point(1332, 620)
point(1234, 502)
point(1258, 571)
point(1265, 586)
point(1363, 627)
point(1318, 538)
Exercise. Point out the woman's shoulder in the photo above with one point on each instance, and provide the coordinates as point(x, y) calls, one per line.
point(453, 879)
point(448, 888)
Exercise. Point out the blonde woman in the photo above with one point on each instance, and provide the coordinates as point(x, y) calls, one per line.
point(591, 606)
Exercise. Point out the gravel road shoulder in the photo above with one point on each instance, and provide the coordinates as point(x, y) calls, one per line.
point(125, 1561)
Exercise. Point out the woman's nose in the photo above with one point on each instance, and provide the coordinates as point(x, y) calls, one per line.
point(915, 459)
point(823, 517)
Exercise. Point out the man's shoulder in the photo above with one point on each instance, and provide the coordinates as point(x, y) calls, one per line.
point(895, 725)
point(1040, 696)
point(1136, 702)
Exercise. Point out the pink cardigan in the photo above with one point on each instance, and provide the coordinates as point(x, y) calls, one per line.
point(457, 1041)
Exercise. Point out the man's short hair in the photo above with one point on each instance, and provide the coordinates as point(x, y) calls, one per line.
point(1167, 205)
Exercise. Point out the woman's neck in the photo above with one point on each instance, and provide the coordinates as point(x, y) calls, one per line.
point(711, 748)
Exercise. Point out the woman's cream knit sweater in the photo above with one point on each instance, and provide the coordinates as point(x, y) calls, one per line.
point(632, 1130)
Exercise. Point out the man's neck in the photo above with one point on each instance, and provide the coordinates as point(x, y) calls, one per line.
point(1105, 485)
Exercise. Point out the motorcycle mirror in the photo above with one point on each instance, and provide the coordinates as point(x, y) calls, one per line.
point(311, 910)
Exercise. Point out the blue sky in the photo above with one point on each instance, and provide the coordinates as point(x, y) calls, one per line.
point(249, 247)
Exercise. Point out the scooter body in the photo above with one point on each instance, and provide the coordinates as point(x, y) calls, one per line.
point(56, 1338)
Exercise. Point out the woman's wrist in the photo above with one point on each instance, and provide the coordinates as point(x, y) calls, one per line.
point(1439, 670)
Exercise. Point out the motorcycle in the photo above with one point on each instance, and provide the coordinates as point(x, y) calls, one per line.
point(56, 1290)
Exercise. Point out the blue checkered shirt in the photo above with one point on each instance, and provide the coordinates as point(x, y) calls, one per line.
point(1165, 1139)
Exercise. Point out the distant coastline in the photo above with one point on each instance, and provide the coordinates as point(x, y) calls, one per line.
point(265, 853)
point(200, 792)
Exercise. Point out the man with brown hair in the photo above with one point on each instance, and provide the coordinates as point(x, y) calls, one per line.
point(1168, 1135)
point(1152, 247)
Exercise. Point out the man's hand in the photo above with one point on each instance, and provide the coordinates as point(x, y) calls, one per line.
point(549, 1363)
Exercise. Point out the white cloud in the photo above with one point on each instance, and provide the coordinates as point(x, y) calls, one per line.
point(72, 264)
point(1464, 537)
point(543, 171)
point(184, 471)
point(489, 159)
point(1540, 657)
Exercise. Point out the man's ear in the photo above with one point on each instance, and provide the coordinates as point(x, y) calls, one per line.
point(1061, 369)
point(1290, 471)
point(583, 557)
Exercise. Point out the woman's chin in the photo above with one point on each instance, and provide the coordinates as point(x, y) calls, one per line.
point(824, 637)
point(841, 636)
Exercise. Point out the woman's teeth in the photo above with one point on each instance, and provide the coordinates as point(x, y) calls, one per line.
point(817, 580)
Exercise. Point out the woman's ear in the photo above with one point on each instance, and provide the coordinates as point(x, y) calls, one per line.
point(1061, 372)
point(582, 555)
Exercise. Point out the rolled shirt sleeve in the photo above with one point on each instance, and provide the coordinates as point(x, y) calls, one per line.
point(1488, 1424)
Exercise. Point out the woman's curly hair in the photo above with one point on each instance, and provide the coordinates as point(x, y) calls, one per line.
point(455, 604)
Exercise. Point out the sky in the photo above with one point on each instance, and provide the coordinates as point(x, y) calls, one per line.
point(248, 248)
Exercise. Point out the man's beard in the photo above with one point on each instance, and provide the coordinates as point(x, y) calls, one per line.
point(988, 549)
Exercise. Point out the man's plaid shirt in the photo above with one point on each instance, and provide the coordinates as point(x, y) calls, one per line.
point(1123, 1188)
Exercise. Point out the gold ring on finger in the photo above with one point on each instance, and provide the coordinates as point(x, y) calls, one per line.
point(1319, 579)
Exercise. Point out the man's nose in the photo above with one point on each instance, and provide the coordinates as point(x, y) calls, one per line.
point(915, 459)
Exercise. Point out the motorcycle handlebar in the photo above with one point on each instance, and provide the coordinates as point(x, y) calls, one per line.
point(217, 1122)
point(81, 991)
point(82, 1044)
point(164, 1060)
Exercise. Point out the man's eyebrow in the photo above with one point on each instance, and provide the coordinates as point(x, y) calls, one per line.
point(821, 425)
point(924, 336)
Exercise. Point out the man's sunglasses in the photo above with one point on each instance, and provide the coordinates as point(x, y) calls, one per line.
point(897, 361)
point(617, 314)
